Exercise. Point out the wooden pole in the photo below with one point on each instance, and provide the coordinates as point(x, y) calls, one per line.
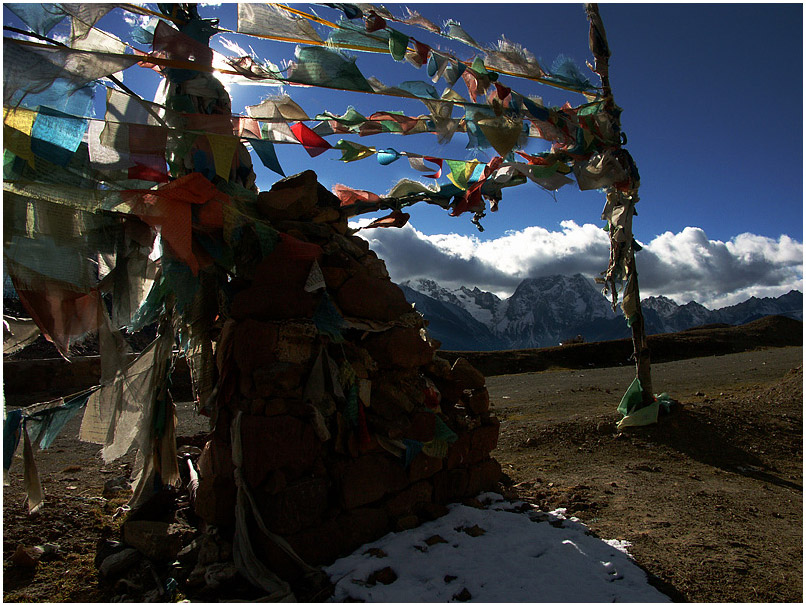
point(624, 252)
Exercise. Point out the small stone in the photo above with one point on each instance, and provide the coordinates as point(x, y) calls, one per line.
point(436, 539)
point(473, 532)
point(385, 576)
point(448, 579)
point(27, 556)
point(376, 552)
point(116, 564)
point(463, 595)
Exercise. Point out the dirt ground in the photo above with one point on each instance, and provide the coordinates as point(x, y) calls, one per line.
point(710, 499)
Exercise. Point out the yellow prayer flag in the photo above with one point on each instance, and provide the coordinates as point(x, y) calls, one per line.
point(17, 126)
point(224, 147)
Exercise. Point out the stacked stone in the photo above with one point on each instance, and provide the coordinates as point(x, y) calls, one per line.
point(333, 466)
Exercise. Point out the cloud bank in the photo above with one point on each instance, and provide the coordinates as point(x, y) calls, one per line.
point(682, 266)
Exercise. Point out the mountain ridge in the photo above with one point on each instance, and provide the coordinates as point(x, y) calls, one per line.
point(544, 311)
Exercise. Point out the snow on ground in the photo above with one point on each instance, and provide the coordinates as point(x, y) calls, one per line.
point(500, 553)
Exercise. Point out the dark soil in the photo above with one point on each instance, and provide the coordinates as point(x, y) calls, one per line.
point(711, 498)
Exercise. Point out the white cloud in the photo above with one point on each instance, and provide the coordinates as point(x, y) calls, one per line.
point(683, 266)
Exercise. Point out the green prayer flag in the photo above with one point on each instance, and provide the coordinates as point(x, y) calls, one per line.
point(398, 42)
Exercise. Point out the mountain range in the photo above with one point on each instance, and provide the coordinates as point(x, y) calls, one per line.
point(544, 311)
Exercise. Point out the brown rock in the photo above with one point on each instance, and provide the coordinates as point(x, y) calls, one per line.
point(267, 301)
point(407, 522)
point(483, 477)
point(370, 297)
point(401, 347)
point(368, 479)
point(449, 390)
point(385, 576)
point(254, 344)
point(459, 452)
point(334, 277)
point(466, 375)
point(277, 442)
point(438, 368)
point(479, 401)
point(407, 501)
point(295, 342)
point(293, 197)
point(450, 485)
point(279, 379)
point(483, 440)
point(424, 466)
point(362, 525)
point(215, 496)
point(27, 556)
point(156, 540)
point(388, 400)
point(422, 427)
point(374, 266)
point(297, 507)
point(327, 215)
point(319, 545)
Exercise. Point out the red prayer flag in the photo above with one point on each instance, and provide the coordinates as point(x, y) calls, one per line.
point(313, 143)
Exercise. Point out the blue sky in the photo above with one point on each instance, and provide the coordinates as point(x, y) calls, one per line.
point(712, 100)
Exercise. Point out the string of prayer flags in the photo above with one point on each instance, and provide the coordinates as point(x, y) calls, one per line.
point(351, 11)
point(277, 109)
point(387, 156)
point(224, 148)
point(83, 18)
point(455, 31)
point(354, 36)
point(351, 152)
point(56, 136)
point(418, 163)
point(398, 43)
point(348, 196)
point(267, 154)
point(419, 56)
point(319, 66)
point(40, 17)
point(62, 314)
point(502, 132)
point(514, 59)
point(278, 132)
point(271, 21)
point(17, 126)
point(396, 219)
point(462, 172)
point(169, 207)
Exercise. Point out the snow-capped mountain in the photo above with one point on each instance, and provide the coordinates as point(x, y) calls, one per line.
point(544, 311)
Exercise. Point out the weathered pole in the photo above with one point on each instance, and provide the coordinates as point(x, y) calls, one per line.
point(622, 248)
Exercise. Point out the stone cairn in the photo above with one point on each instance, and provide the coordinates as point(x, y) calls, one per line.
point(351, 426)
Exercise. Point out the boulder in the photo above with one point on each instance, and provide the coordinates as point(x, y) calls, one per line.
point(466, 375)
point(369, 297)
point(401, 347)
point(156, 540)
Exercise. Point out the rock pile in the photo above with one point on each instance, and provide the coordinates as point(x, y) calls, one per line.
point(350, 425)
